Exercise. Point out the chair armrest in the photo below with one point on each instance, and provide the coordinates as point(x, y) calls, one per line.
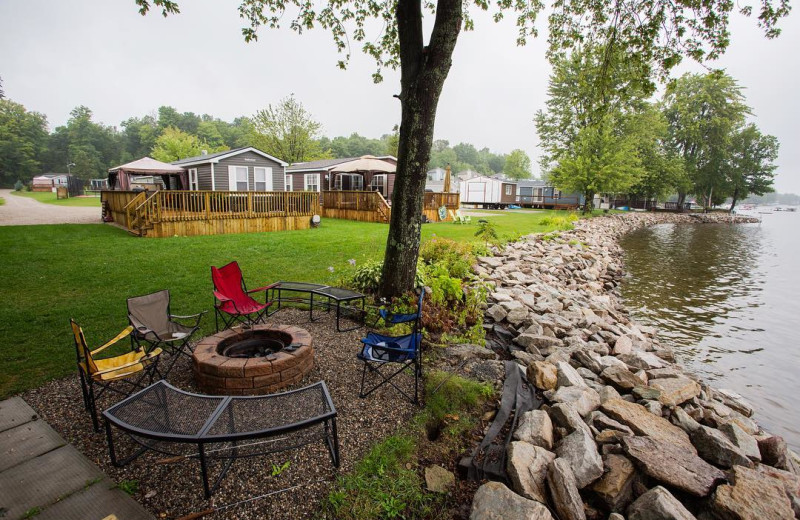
point(140, 361)
point(396, 348)
point(124, 334)
point(265, 288)
point(189, 316)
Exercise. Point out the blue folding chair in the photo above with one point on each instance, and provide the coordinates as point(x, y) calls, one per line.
point(387, 356)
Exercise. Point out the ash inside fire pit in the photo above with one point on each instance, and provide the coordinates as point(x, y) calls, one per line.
point(255, 343)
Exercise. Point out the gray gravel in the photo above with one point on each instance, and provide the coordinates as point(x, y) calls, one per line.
point(174, 490)
point(22, 211)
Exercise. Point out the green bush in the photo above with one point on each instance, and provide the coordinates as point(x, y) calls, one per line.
point(456, 257)
point(562, 222)
point(18, 186)
point(444, 288)
point(367, 277)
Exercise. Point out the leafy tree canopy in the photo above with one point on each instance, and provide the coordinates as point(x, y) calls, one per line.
point(288, 131)
point(23, 139)
point(517, 165)
point(175, 144)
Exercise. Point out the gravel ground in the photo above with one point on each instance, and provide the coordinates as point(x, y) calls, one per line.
point(22, 211)
point(174, 490)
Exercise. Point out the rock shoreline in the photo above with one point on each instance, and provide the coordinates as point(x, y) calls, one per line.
point(624, 431)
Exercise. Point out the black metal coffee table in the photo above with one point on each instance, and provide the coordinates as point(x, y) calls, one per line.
point(171, 421)
point(343, 298)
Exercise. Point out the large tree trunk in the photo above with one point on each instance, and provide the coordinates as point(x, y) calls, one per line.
point(423, 72)
point(588, 203)
point(735, 199)
point(681, 200)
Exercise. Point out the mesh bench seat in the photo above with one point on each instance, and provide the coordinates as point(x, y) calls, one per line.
point(206, 427)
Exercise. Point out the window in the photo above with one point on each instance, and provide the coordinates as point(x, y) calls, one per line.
point(508, 189)
point(193, 184)
point(348, 182)
point(378, 183)
point(237, 178)
point(262, 179)
point(288, 183)
point(556, 194)
point(311, 182)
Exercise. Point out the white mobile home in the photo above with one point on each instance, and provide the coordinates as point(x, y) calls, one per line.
point(488, 192)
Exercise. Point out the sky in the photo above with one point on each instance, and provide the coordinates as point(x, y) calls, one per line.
point(55, 56)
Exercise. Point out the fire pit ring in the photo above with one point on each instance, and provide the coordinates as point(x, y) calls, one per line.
point(260, 360)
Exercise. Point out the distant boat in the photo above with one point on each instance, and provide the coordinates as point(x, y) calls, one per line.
point(791, 209)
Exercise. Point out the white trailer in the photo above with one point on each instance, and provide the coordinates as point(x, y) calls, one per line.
point(488, 192)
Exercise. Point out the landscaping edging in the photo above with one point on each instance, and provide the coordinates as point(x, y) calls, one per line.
point(624, 429)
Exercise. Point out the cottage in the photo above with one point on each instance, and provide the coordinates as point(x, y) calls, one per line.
point(49, 181)
point(488, 192)
point(240, 169)
point(435, 180)
point(322, 176)
point(541, 194)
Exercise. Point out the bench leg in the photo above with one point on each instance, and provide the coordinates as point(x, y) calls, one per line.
point(332, 440)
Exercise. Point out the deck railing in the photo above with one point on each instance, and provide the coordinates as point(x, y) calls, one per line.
point(141, 211)
point(437, 200)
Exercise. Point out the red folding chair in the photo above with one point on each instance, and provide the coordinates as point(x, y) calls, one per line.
point(232, 301)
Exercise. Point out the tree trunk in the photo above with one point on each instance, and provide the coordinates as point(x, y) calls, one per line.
point(423, 72)
point(735, 197)
point(588, 203)
point(681, 200)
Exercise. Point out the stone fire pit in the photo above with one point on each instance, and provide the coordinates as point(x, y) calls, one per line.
point(259, 360)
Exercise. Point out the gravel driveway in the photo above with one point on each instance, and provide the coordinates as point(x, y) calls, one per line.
point(22, 211)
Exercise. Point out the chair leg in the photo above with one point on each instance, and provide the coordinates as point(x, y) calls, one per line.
point(93, 406)
point(361, 393)
point(84, 391)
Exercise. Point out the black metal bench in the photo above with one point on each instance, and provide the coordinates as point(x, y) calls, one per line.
point(171, 421)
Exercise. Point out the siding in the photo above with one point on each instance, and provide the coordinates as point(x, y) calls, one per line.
point(203, 176)
point(253, 160)
point(508, 199)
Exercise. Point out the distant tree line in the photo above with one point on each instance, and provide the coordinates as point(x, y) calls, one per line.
point(602, 132)
point(285, 130)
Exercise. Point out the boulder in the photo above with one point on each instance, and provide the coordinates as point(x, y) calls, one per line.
point(564, 491)
point(494, 501)
point(676, 390)
point(527, 469)
point(517, 316)
point(752, 495)
point(774, 452)
point(658, 504)
point(584, 399)
point(742, 440)
point(620, 378)
point(497, 313)
point(733, 400)
point(623, 345)
point(580, 451)
point(542, 375)
point(438, 479)
point(717, 449)
point(608, 392)
point(641, 360)
point(491, 261)
point(467, 351)
point(568, 376)
point(566, 416)
point(545, 344)
point(642, 422)
point(611, 361)
point(647, 393)
point(673, 465)
point(683, 420)
point(615, 487)
point(535, 428)
point(589, 359)
point(603, 422)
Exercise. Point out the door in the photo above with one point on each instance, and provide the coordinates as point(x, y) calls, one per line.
point(476, 192)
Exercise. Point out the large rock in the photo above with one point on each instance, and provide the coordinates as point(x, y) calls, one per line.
point(494, 501)
point(564, 491)
point(545, 344)
point(566, 416)
point(641, 360)
point(716, 448)
point(673, 465)
point(623, 345)
point(658, 504)
point(642, 422)
point(467, 351)
point(789, 481)
point(751, 496)
point(438, 479)
point(584, 399)
point(615, 487)
point(735, 401)
point(527, 469)
point(676, 390)
point(536, 428)
point(621, 378)
point(742, 440)
point(775, 452)
point(517, 316)
point(580, 451)
point(542, 375)
point(568, 376)
point(497, 313)
point(589, 359)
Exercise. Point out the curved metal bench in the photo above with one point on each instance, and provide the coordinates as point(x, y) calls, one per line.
point(168, 420)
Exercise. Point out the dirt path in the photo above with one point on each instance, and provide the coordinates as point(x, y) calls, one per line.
point(22, 211)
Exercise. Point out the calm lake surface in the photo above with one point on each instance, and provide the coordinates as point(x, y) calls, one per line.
point(727, 299)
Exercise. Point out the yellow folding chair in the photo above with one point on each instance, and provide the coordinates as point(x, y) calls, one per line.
point(131, 368)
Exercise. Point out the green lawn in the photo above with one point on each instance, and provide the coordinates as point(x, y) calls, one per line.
point(52, 273)
point(49, 197)
point(2, 201)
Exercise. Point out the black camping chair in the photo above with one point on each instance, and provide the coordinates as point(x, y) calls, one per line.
point(385, 357)
point(154, 325)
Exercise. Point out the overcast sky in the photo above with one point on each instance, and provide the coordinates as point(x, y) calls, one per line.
point(103, 54)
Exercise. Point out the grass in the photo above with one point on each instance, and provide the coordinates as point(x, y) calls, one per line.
point(388, 482)
point(2, 201)
point(49, 197)
point(53, 273)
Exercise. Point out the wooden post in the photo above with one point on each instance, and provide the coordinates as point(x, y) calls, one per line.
point(207, 199)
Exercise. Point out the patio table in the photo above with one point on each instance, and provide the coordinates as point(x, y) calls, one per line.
point(342, 298)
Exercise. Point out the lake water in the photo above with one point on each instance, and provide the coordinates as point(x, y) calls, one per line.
point(727, 299)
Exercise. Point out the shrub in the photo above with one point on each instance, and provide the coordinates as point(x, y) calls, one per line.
point(367, 277)
point(486, 231)
point(456, 257)
point(562, 222)
point(18, 186)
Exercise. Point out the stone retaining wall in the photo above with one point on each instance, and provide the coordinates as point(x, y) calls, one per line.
point(624, 432)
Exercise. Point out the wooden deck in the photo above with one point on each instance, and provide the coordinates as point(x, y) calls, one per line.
point(370, 206)
point(190, 213)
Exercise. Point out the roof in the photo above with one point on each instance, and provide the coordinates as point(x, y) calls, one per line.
point(532, 183)
point(484, 178)
point(50, 175)
point(147, 165)
point(218, 156)
point(327, 164)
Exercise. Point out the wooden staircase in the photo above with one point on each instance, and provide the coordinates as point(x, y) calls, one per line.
point(384, 208)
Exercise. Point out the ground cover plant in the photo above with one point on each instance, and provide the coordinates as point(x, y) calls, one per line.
point(53, 273)
point(48, 197)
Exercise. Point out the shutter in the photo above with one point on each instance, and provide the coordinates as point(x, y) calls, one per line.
point(269, 178)
point(232, 178)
